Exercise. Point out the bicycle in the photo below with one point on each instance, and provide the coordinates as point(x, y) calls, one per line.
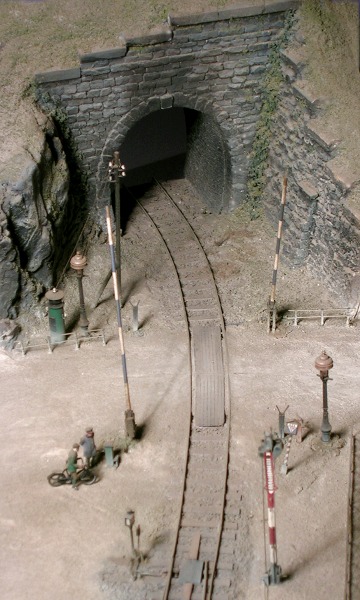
point(84, 475)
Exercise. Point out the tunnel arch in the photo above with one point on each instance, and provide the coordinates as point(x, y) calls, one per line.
point(201, 154)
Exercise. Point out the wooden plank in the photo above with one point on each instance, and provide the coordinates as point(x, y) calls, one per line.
point(209, 397)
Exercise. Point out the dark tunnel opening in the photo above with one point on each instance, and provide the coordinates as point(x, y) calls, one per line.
point(156, 147)
point(173, 144)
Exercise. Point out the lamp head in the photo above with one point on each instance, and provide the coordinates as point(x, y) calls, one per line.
point(324, 362)
point(130, 518)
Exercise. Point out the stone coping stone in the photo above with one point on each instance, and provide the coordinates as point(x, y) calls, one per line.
point(158, 37)
point(308, 189)
point(343, 176)
point(353, 207)
point(109, 54)
point(247, 9)
point(294, 58)
point(303, 93)
point(316, 132)
point(63, 75)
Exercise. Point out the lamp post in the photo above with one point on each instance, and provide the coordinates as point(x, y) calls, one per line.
point(129, 522)
point(78, 262)
point(323, 363)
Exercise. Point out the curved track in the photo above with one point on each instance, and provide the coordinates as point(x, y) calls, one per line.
point(201, 564)
point(353, 525)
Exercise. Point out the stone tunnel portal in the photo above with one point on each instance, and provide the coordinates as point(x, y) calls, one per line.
point(175, 143)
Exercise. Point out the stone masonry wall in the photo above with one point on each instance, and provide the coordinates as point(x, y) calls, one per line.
point(213, 63)
point(319, 229)
point(206, 154)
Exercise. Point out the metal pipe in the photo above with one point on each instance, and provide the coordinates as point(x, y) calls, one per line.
point(84, 323)
point(323, 363)
point(282, 422)
point(325, 425)
point(135, 316)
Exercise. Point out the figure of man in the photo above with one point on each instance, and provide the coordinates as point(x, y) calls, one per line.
point(71, 465)
point(88, 445)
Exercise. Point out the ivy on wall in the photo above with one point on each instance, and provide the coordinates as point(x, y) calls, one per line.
point(265, 126)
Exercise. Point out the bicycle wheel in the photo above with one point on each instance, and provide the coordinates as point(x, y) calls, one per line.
point(87, 477)
point(56, 479)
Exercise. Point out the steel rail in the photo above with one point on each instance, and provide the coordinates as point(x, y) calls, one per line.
point(227, 394)
point(192, 230)
point(351, 557)
point(224, 436)
point(188, 426)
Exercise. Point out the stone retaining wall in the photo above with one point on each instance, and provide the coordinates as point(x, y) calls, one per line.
point(319, 229)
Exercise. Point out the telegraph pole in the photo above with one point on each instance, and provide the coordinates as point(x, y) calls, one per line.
point(272, 307)
point(130, 426)
point(116, 171)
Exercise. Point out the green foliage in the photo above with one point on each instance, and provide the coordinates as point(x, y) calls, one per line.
point(30, 89)
point(264, 130)
point(159, 13)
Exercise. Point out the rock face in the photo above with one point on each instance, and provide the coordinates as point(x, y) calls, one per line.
point(9, 272)
point(8, 332)
point(31, 215)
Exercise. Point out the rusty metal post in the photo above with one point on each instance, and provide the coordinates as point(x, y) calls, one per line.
point(135, 316)
point(78, 262)
point(282, 422)
point(323, 363)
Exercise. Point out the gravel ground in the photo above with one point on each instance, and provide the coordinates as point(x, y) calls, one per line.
point(61, 544)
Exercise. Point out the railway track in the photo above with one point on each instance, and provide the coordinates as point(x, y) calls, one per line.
point(202, 563)
point(352, 589)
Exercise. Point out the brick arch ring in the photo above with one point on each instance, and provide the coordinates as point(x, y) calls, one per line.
point(143, 109)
